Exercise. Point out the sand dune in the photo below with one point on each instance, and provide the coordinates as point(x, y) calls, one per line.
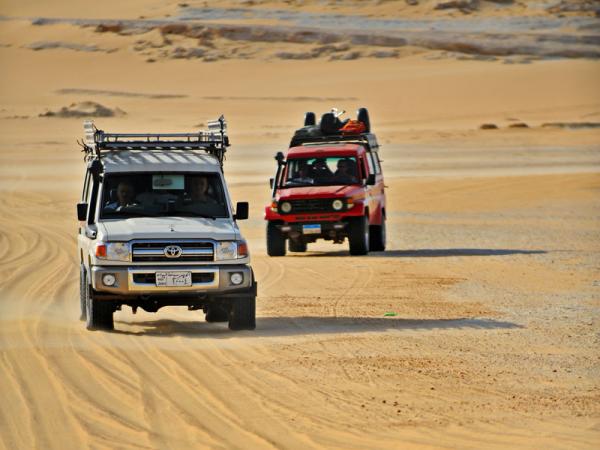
point(491, 274)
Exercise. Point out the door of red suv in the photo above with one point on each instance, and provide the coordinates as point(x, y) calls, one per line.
point(375, 193)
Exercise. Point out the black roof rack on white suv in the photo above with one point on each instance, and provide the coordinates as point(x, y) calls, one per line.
point(214, 140)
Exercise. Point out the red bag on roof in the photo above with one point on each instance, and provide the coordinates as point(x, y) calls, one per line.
point(353, 127)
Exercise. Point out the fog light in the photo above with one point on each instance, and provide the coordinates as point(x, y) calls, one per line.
point(108, 279)
point(236, 278)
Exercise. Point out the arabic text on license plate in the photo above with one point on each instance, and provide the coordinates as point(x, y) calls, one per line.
point(311, 229)
point(175, 279)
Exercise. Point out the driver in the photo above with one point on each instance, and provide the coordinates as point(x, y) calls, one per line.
point(199, 190)
point(321, 169)
point(125, 196)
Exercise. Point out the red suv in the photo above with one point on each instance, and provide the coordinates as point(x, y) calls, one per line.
point(329, 186)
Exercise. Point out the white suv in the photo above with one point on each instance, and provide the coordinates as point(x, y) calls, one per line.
point(157, 228)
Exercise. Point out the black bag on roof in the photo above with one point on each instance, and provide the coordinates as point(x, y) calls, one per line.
point(308, 132)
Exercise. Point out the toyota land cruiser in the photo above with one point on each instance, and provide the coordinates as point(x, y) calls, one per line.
point(157, 228)
point(329, 186)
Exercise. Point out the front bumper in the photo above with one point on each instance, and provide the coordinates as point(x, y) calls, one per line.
point(136, 280)
point(315, 216)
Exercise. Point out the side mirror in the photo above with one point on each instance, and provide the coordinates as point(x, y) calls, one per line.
point(271, 181)
point(241, 211)
point(82, 209)
point(371, 180)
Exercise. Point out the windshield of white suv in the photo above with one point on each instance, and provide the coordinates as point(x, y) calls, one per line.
point(163, 194)
point(321, 171)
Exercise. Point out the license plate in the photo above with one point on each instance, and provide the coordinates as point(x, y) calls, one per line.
point(173, 279)
point(311, 229)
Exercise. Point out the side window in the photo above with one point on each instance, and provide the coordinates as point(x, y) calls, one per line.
point(369, 157)
point(377, 164)
point(93, 197)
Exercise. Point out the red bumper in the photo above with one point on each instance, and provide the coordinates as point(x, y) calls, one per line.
point(357, 210)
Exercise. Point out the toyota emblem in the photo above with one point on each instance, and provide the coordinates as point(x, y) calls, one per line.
point(173, 251)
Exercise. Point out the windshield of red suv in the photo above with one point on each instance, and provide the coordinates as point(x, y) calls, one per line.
point(163, 194)
point(321, 171)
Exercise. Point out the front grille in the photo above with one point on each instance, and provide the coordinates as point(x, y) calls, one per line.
point(310, 205)
point(150, 278)
point(155, 252)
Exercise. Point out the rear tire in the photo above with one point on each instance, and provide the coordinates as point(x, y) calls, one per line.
point(297, 246)
point(310, 119)
point(362, 115)
point(243, 313)
point(216, 313)
point(275, 240)
point(82, 294)
point(99, 314)
point(358, 235)
point(377, 237)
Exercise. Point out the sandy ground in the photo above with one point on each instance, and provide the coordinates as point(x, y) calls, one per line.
point(492, 268)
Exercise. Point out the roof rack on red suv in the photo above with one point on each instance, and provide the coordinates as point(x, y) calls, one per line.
point(329, 186)
point(363, 138)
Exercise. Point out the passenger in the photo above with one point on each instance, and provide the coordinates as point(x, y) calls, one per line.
point(321, 169)
point(346, 171)
point(125, 197)
point(199, 190)
point(303, 172)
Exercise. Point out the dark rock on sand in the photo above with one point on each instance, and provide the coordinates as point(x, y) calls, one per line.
point(488, 126)
point(465, 6)
point(84, 109)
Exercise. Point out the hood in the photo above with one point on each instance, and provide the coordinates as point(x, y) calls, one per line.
point(319, 191)
point(167, 228)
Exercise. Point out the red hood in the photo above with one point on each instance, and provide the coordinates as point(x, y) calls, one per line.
point(318, 191)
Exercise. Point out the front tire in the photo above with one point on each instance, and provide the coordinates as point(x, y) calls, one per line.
point(99, 314)
point(275, 240)
point(358, 235)
point(297, 246)
point(242, 315)
point(377, 237)
point(216, 313)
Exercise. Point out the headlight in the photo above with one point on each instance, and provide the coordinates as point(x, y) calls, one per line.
point(337, 204)
point(113, 251)
point(231, 250)
point(285, 207)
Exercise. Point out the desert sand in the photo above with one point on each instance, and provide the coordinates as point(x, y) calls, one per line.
point(493, 261)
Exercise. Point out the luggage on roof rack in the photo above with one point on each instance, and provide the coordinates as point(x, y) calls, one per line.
point(214, 140)
point(331, 129)
point(363, 138)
